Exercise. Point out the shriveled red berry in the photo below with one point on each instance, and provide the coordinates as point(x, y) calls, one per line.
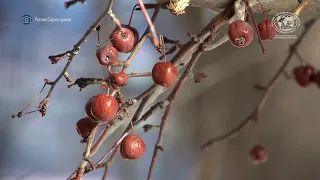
point(164, 74)
point(303, 75)
point(84, 126)
point(102, 108)
point(266, 30)
point(240, 33)
point(258, 154)
point(132, 147)
point(124, 40)
point(107, 55)
point(118, 79)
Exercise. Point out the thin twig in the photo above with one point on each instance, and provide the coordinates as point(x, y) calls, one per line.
point(158, 145)
point(152, 29)
point(134, 52)
point(99, 141)
point(142, 74)
point(86, 154)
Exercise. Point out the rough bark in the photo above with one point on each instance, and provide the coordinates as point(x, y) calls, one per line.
point(274, 6)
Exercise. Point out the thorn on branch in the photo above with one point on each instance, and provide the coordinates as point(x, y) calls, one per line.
point(56, 58)
point(198, 77)
point(84, 140)
point(98, 28)
point(160, 147)
point(68, 4)
point(194, 37)
point(68, 78)
point(259, 87)
point(287, 75)
point(93, 167)
point(170, 41)
point(130, 102)
point(148, 127)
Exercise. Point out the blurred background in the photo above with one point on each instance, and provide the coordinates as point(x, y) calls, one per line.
point(36, 148)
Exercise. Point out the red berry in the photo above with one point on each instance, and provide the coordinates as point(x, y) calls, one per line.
point(266, 30)
point(124, 40)
point(135, 32)
point(102, 108)
point(118, 79)
point(107, 55)
point(240, 33)
point(303, 75)
point(132, 147)
point(164, 74)
point(84, 127)
point(258, 154)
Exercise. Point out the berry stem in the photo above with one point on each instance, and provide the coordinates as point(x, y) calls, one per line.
point(133, 9)
point(98, 35)
point(256, 26)
point(111, 149)
point(263, 10)
point(162, 43)
point(108, 91)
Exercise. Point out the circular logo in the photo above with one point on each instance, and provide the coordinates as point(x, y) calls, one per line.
point(286, 22)
point(26, 19)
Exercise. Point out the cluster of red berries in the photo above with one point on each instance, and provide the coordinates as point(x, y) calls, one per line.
point(104, 108)
point(305, 75)
point(241, 32)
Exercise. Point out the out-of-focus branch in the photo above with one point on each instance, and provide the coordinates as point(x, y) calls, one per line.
point(255, 115)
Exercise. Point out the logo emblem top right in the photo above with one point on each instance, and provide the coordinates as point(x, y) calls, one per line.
point(286, 22)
